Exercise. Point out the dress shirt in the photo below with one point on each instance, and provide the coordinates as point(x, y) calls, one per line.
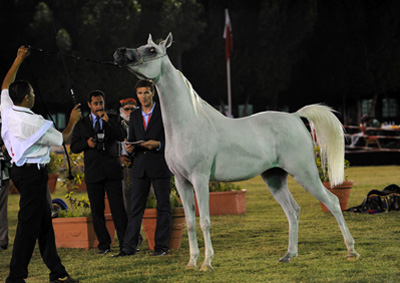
point(24, 126)
point(146, 120)
point(146, 116)
point(94, 119)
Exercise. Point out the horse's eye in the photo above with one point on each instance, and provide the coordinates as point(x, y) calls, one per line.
point(152, 50)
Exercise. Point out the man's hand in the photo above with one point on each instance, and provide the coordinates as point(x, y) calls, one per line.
point(73, 119)
point(103, 115)
point(76, 114)
point(129, 147)
point(23, 53)
point(125, 160)
point(91, 143)
point(151, 144)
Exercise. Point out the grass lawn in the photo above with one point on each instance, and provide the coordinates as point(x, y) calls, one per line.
point(247, 247)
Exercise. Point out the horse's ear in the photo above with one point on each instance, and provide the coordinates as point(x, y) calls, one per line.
point(150, 40)
point(168, 41)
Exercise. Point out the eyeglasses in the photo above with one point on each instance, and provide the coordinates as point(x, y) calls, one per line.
point(129, 108)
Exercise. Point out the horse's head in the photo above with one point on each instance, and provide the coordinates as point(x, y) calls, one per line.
point(144, 61)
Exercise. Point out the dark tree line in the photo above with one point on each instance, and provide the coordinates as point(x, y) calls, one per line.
point(287, 53)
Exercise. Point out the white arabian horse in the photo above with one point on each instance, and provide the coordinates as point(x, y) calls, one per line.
point(202, 145)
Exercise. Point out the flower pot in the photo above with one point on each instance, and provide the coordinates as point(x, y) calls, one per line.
point(53, 177)
point(178, 224)
point(342, 191)
point(82, 186)
point(107, 210)
point(230, 202)
point(78, 232)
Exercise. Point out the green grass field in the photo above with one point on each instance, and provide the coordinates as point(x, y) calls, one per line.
point(247, 247)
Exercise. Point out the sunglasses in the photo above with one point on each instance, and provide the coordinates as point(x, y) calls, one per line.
point(129, 108)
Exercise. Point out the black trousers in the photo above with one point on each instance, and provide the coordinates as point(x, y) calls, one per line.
point(34, 223)
point(139, 193)
point(96, 193)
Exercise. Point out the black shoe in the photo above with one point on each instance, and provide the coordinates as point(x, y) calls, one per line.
point(103, 252)
point(65, 279)
point(159, 252)
point(122, 254)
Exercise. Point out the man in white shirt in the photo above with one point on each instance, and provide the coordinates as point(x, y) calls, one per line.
point(28, 137)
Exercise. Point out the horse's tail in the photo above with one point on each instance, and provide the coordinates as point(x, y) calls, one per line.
point(327, 132)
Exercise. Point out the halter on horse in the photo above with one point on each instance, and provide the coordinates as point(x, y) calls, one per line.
point(203, 145)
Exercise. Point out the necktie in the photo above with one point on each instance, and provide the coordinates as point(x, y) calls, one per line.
point(144, 121)
point(97, 125)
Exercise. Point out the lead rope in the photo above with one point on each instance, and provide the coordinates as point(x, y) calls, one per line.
point(70, 176)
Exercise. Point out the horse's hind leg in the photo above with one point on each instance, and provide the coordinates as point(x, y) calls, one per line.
point(185, 190)
point(312, 184)
point(276, 180)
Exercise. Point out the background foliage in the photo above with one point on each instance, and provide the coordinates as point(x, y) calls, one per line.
point(287, 53)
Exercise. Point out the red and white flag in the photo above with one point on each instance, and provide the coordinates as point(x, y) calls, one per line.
point(228, 36)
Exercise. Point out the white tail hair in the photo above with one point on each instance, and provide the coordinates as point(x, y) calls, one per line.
point(327, 132)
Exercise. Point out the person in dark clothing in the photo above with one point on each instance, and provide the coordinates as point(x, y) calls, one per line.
point(148, 167)
point(97, 135)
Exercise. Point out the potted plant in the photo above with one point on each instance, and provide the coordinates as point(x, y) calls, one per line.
point(73, 228)
point(178, 220)
point(225, 199)
point(342, 191)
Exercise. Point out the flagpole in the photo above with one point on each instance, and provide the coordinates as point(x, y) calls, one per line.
point(228, 50)
point(228, 75)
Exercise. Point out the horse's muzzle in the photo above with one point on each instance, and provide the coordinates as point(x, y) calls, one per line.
point(124, 56)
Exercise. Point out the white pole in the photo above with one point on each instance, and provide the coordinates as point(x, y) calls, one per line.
point(228, 75)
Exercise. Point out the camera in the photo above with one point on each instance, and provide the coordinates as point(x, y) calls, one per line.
point(100, 140)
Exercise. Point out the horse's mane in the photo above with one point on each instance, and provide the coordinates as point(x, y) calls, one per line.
point(199, 105)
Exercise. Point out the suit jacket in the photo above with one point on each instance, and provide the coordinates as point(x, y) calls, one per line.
point(99, 164)
point(150, 163)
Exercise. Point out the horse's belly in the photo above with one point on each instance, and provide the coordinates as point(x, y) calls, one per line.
point(239, 168)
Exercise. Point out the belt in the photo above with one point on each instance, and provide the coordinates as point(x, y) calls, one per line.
point(41, 165)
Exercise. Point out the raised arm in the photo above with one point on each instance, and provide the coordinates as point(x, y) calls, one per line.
point(73, 119)
point(22, 54)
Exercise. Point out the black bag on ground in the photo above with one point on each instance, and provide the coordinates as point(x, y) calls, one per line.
point(380, 201)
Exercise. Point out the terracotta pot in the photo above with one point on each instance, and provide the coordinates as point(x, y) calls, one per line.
point(82, 186)
point(107, 209)
point(178, 224)
point(12, 189)
point(221, 203)
point(342, 191)
point(52, 182)
point(78, 232)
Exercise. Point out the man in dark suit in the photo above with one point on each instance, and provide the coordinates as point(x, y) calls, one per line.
point(96, 135)
point(148, 167)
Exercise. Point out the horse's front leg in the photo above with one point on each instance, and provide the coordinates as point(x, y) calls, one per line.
point(185, 190)
point(202, 195)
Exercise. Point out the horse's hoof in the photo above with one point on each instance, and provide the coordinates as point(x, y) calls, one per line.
point(353, 256)
point(206, 267)
point(191, 267)
point(287, 257)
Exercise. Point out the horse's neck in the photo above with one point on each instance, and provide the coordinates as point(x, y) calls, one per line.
point(175, 100)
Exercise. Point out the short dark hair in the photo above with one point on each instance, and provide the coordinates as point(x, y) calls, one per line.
point(145, 83)
point(18, 90)
point(95, 93)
